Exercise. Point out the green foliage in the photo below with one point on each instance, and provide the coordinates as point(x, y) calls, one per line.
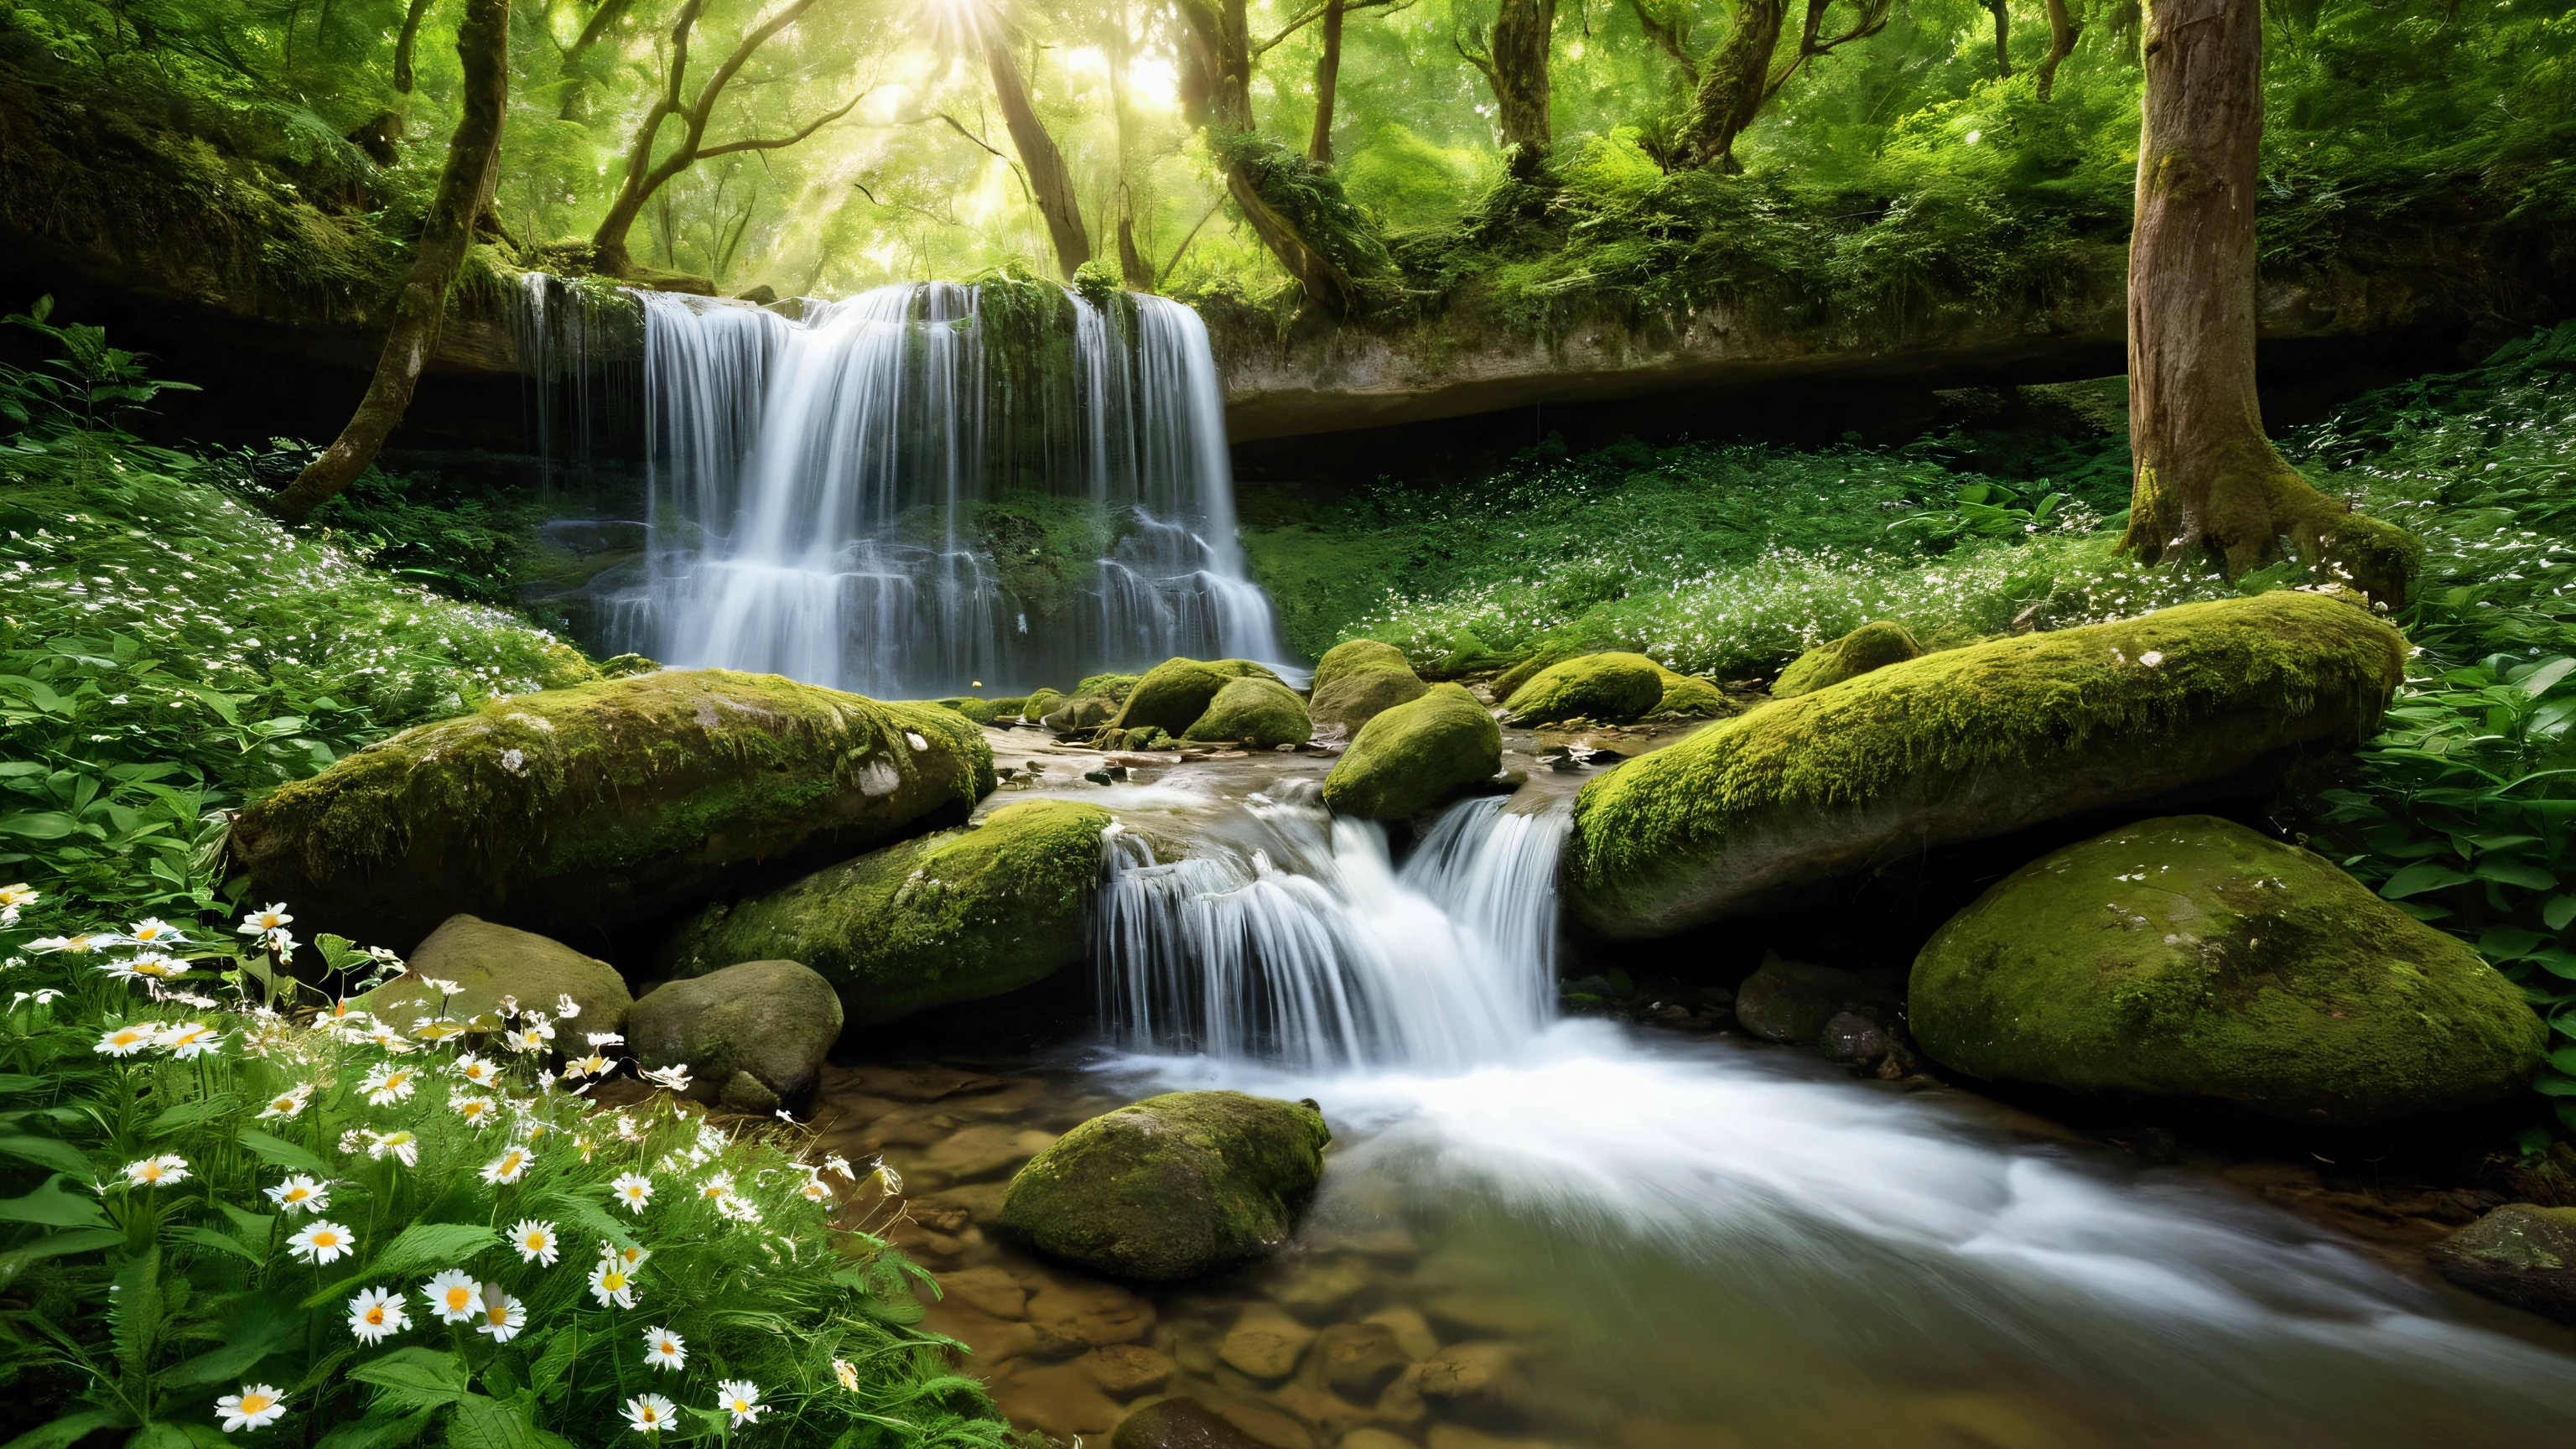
point(201, 1199)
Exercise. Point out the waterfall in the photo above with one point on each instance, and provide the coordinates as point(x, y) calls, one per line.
point(930, 485)
point(1294, 939)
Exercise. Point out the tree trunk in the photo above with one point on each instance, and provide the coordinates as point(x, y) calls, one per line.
point(2003, 37)
point(1216, 93)
point(1049, 181)
point(483, 43)
point(2062, 31)
point(1732, 85)
point(403, 45)
point(1328, 74)
point(2207, 478)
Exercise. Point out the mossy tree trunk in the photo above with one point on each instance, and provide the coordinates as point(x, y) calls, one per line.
point(1120, 43)
point(1514, 63)
point(1743, 73)
point(1328, 76)
point(483, 44)
point(2208, 480)
point(1216, 92)
point(1050, 183)
point(2002, 11)
point(412, 16)
point(2062, 31)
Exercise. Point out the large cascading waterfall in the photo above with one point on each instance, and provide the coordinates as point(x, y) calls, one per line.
point(1293, 938)
point(931, 485)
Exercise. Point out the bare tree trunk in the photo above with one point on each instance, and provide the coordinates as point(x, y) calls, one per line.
point(2062, 31)
point(1328, 75)
point(2207, 478)
point(1732, 85)
point(1134, 272)
point(1049, 181)
point(483, 43)
point(1515, 66)
point(403, 46)
point(2003, 37)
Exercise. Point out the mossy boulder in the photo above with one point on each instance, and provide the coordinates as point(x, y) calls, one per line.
point(1357, 681)
point(2190, 956)
point(753, 1035)
point(1755, 812)
point(1259, 712)
point(1415, 755)
point(489, 964)
point(984, 711)
point(1874, 645)
point(2520, 1254)
point(1176, 1186)
point(1080, 714)
point(1041, 704)
point(956, 916)
point(1613, 688)
point(1173, 694)
point(1690, 697)
point(606, 803)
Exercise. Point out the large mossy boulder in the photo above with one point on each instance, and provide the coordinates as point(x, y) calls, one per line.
point(1754, 813)
point(1874, 645)
point(956, 916)
point(753, 1035)
point(1415, 755)
point(1687, 696)
point(491, 964)
point(2190, 956)
point(1173, 694)
point(1357, 681)
point(1176, 1186)
point(1259, 712)
point(606, 803)
point(2520, 1254)
point(1614, 688)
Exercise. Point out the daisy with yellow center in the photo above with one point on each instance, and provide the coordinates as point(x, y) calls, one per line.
point(402, 1144)
point(377, 1313)
point(650, 1413)
point(163, 1171)
point(191, 1039)
point(476, 1110)
point(611, 1284)
point(478, 1071)
point(633, 1189)
point(847, 1372)
point(300, 1194)
point(500, 1316)
point(125, 1041)
point(387, 1085)
point(256, 1407)
point(664, 1350)
point(509, 1167)
point(453, 1296)
point(153, 931)
point(740, 1398)
point(323, 1242)
point(287, 1103)
point(535, 1242)
point(259, 923)
point(716, 1188)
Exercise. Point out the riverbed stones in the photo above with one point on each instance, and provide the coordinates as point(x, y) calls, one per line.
point(1790, 1001)
point(1175, 1186)
point(1759, 812)
point(2521, 1254)
point(490, 964)
point(955, 916)
point(1415, 755)
point(1266, 1343)
point(753, 1035)
point(1359, 1360)
point(1874, 645)
point(1179, 1424)
point(1611, 688)
point(1260, 712)
point(2191, 956)
point(1173, 694)
point(606, 803)
point(1358, 680)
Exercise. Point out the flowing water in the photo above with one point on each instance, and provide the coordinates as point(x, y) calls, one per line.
point(1575, 1232)
point(878, 495)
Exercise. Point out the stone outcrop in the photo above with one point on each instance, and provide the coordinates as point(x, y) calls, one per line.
point(753, 1035)
point(1413, 756)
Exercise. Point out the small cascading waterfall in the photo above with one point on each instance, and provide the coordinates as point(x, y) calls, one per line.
point(1296, 940)
point(819, 485)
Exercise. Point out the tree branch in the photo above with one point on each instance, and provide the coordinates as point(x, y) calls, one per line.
point(773, 143)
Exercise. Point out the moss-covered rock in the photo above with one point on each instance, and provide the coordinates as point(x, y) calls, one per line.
point(1173, 694)
point(1357, 681)
point(1753, 812)
point(2520, 1254)
point(1080, 714)
point(1874, 645)
point(956, 916)
point(1415, 755)
point(984, 711)
point(1136, 739)
point(1112, 687)
point(1175, 1186)
point(1612, 688)
point(605, 803)
point(491, 964)
point(1259, 712)
point(2191, 956)
point(753, 1035)
point(1688, 696)
point(1041, 704)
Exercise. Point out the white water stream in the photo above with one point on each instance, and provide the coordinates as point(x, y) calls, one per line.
point(1742, 1241)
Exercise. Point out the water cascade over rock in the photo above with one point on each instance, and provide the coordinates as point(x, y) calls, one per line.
point(931, 485)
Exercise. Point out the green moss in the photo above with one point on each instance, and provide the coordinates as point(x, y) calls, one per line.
point(1172, 1187)
point(1874, 645)
point(1613, 688)
point(2192, 956)
point(1357, 681)
point(1523, 670)
point(1416, 755)
point(984, 711)
point(1357, 656)
point(1112, 687)
point(1173, 694)
point(1043, 703)
point(2147, 704)
point(956, 916)
point(1259, 712)
point(602, 803)
point(1690, 697)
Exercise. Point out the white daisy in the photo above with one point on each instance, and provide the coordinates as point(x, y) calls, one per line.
point(377, 1313)
point(256, 1407)
point(535, 1242)
point(387, 1085)
point(191, 1039)
point(300, 1194)
point(501, 1315)
point(258, 923)
point(740, 1398)
point(664, 1350)
point(649, 1413)
point(153, 931)
point(633, 1189)
point(453, 1295)
point(676, 1078)
point(402, 1144)
point(611, 1283)
point(478, 1071)
point(287, 1103)
point(322, 1242)
point(477, 1109)
point(125, 1041)
point(166, 1170)
point(510, 1166)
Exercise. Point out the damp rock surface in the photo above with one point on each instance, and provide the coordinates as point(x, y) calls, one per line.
point(1355, 682)
point(1415, 755)
point(489, 963)
point(1173, 1187)
point(753, 1035)
point(2520, 1254)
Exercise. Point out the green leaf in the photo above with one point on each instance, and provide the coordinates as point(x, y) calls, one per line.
point(2559, 911)
point(488, 1423)
point(21, 1082)
point(278, 1152)
point(411, 1379)
point(221, 1242)
point(549, 1366)
point(50, 1152)
point(2421, 877)
point(2514, 873)
point(70, 1429)
point(2537, 682)
point(54, 1208)
point(2507, 943)
point(188, 1115)
point(420, 1247)
point(38, 824)
point(380, 1429)
point(266, 1326)
point(56, 1245)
